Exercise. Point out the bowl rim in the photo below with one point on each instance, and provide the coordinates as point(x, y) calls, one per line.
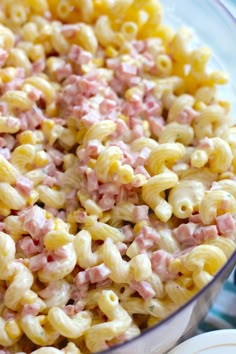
point(179, 310)
point(226, 9)
point(205, 288)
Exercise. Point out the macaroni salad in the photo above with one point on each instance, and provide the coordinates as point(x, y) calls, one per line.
point(117, 173)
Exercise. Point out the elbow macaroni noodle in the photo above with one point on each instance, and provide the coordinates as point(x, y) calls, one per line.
point(117, 173)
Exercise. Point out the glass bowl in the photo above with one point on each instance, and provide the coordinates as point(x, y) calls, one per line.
point(215, 27)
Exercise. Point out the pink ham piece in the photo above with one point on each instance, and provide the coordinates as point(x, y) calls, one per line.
point(98, 273)
point(195, 218)
point(34, 94)
point(29, 246)
point(122, 247)
point(160, 261)
point(150, 233)
point(24, 185)
point(34, 117)
point(3, 108)
point(49, 181)
point(38, 66)
point(204, 233)
point(143, 243)
point(34, 221)
point(92, 182)
point(128, 233)
point(94, 148)
point(142, 157)
point(70, 31)
point(5, 152)
point(82, 278)
point(78, 55)
point(206, 143)
point(3, 57)
point(107, 202)
point(142, 170)
point(49, 291)
point(31, 309)
point(8, 314)
point(107, 106)
point(144, 289)
point(88, 88)
point(156, 125)
point(184, 234)
point(69, 310)
point(90, 118)
point(63, 72)
point(152, 107)
point(80, 293)
point(37, 262)
point(10, 141)
point(109, 188)
point(187, 115)
point(225, 224)
point(141, 213)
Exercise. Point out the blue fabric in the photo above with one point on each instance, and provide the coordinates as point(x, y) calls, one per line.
point(222, 314)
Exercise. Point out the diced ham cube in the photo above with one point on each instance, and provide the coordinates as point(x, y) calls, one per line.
point(34, 221)
point(70, 30)
point(31, 309)
point(142, 170)
point(144, 289)
point(78, 55)
point(3, 56)
point(150, 233)
point(63, 72)
point(82, 278)
point(225, 224)
point(88, 88)
point(128, 232)
point(38, 66)
point(98, 273)
point(126, 68)
point(37, 262)
point(34, 94)
point(92, 182)
point(152, 108)
point(69, 310)
point(24, 185)
point(10, 141)
point(156, 125)
point(187, 116)
point(122, 247)
point(206, 143)
point(5, 152)
point(3, 108)
point(107, 202)
point(160, 261)
point(204, 233)
point(29, 246)
point(8, 314)
point(141, 213)
point(195, 218)
point(49, 181)
point(184, 234)
point(94, 148)
point(143, 243)
point(106, 106)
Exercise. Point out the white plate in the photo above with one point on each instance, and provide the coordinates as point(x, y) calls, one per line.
point(215, 342)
